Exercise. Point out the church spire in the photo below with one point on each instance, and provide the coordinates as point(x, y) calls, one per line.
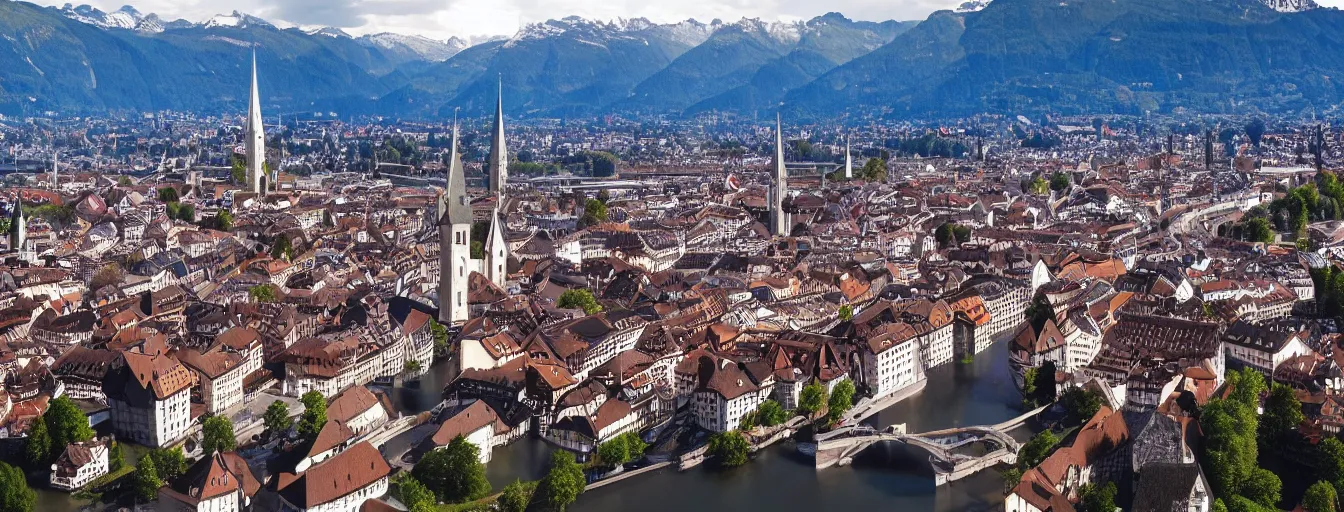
point(779, 186)
point(849, 163)
point(18, 226)
point(499, 156)
point(496, 251)
point(454, 242)
point(255, 137)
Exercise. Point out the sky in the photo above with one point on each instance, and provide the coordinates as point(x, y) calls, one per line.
point(441, 19)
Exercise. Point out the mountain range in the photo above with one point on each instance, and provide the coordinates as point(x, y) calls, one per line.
point(1002, 56)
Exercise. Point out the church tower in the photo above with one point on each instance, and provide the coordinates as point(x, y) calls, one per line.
point(496, 252)
point(255, 138)
point(18, 227)
point(454, 242)
point(499, 154)
point(849, 163)
point(779, 224)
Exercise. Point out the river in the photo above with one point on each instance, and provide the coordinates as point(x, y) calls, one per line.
point(884, 477)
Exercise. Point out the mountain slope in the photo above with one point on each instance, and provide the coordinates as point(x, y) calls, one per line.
point(1126, 56)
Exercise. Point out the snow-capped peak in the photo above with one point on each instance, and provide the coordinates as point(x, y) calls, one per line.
point(426, 48)
point(236, 19)
point(972, 6)
point(784, 32)
point(126, 17)
point(327, 31)
point(1291, 5)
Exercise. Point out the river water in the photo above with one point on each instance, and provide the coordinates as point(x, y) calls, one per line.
point(885, 477)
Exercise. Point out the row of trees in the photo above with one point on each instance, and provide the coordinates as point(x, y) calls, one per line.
point(1231, 449)
point(454, 474)
point(156, 468)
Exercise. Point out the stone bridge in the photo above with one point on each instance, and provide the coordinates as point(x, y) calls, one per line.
point(949, 462)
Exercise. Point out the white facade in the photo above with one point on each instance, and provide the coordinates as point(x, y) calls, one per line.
point(894, 368)
point(163, 424)
point(96, 467)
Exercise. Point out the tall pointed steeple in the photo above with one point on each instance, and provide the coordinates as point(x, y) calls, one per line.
point(55, 183)
point(779, 224)
point(849, 163)
point(454, 241)
point(18, 226)
point(496, 251)
point(255, 137)
point(499, 154)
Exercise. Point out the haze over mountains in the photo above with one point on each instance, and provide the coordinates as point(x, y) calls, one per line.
point(1006, 56)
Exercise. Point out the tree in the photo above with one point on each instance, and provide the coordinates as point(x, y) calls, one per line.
point(223, 221)
point(580, 298)
point(314, 415)
point(168, 195)
point(276, 418)
point(1255, 130)
point(811, 399)
point(186, 212)
point(239, 170)
point(1059, 182)
point(613, 453)
point(594, 212)
point(110, 274)
point(846, 313)
point(517, 495)
point(477, 250)
point(1330, 455)
point(1283, 413)
point(1262, 487)
point(604, 164)
point(124, 181)
point(217, 435)
point(874, 170)
point(730, 447)
point(1029, 387)
point(1081, 405)
point(1320, 497)
point(172, 210)
point(1036, 449)
point(770, 413)
point(262, 293)
point(38, 446)
point(841, 400)
point(440, 335)
point(454, 473)
point(15, 495)
point(415, 495)
point(281, 248)
point(66, 424)
point(147, 481)
point(1097, 498)
point(169, 462)
point(116, 457)
point(564, 482)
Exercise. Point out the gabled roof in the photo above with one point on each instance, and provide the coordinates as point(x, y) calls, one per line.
point(351, 470)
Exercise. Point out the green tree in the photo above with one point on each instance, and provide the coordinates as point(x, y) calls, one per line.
point(875, 169)
point(1330, 460)
point(841, 400)
point(770, 413)
point(124, 181)
point(172, 209)
point(594, 212)
point(168, 195)
point(730, 447)
point(223, 221)
point(1059, 182)
point(147, 481)
point(1097, 498)
point(1262, 487)
point(440, 335)
point(263, 293)
point(1081, 404)
point(454, 473)
point(314, 415)
point(38, 446)
point(1283, 413)
point(15, 495)
point(579, 298)
point(415, 495)
point(170, 462)
point(1037, 449)
point(1029, 387)
point(613, 452)
point(281, 248)
point(812, 397)
point(186, 212)
point(239, 170)
point(517, 495)
point(1320, 497)
point(846, 313)
point(563, 483)
point(116, 456)
point(604, 164)
point(276, 418)
point(66, 424)
point(217, 435)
